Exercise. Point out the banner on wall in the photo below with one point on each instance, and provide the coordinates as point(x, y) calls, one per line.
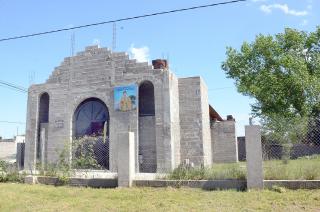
point(125, 98)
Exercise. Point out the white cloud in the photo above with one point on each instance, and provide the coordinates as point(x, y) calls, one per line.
point(140, 54)
point(284, 8)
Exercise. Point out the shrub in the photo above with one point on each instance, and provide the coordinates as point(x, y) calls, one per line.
point(83, 153)
point(10, 173)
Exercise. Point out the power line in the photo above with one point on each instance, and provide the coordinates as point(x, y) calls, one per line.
point(13, 86)
point(121, 19)
point(12, 122)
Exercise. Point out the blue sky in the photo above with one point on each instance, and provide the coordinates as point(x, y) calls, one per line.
point(193, 41)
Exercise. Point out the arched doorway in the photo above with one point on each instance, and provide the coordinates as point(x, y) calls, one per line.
point(147, 130)
point(91, 135)
point(43, 120)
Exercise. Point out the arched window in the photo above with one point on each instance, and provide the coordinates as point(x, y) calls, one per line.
point(146, 99)
point(91, 118)
point(44, 108)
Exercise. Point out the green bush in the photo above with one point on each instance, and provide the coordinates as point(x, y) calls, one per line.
point(10, 173)
point(3, 166)
point(83, 156)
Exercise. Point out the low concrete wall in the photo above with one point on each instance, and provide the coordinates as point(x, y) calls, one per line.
point(239, 185)
point(293, 184)
point(93, 182)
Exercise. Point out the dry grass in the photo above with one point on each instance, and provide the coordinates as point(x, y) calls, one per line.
point(306, 168)
point(20, 197)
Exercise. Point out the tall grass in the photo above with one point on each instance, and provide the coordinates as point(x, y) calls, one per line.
point(10, 173)
point(305, 168)
point(215, 172)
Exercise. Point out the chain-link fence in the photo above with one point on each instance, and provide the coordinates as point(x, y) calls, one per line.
point(90, 152)
point(294, 153)
point(147, 165)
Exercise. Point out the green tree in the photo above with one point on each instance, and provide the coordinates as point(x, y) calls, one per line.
point(281, 72)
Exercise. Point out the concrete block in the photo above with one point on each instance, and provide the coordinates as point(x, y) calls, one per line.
point(30, 179)
point(126, 159)
point(254, 157)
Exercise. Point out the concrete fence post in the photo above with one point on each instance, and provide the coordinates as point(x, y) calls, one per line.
point(254, 157)
point(126, 159)
point(43, 144)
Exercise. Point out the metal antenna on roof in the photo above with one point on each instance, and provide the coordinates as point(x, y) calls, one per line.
point(72, 41)
point(31, 77)
point(114, 36)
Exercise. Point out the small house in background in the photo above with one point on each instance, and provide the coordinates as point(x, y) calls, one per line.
point(12, 150)
point(99, 93)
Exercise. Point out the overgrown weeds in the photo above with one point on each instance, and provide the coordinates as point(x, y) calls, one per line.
point(215, 172)
point(10, 173)
point(303, 168)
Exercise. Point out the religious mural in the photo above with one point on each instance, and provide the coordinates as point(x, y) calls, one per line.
point(125, 98)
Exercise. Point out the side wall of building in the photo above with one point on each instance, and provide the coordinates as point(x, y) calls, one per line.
point(224, 144)
point(31, 130)
point(194, 121)
point(8, 151)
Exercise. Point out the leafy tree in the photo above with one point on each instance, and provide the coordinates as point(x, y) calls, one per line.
point(281, 72)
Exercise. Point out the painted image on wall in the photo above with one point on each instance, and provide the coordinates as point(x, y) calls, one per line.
point(125, 98)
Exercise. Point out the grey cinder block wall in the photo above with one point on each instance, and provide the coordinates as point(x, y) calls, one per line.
point(176, 127)
point(224, 143)
point(194, 121)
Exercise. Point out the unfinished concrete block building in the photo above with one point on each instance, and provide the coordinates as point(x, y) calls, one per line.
point(103, 93)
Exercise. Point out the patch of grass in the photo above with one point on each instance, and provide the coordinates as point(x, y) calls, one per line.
point(21, 197)
point(278, 189)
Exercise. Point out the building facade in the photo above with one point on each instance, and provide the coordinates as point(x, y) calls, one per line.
point(103, 93)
